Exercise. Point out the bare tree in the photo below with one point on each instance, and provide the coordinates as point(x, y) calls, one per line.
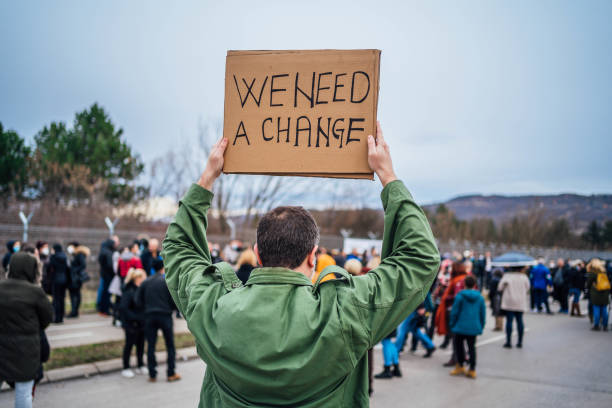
point(172, 174)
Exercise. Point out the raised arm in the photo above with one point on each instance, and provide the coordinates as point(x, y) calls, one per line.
point(410, 258)
point(185, 248)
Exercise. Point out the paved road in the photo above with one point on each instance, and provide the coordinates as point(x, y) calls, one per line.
point(562, 364)
point(92, 328)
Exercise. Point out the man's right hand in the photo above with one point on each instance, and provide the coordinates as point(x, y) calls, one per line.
point(214, 166)
point(379, 157)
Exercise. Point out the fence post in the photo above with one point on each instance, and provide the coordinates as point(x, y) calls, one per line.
point(26, 224)
point(111, 226)
point(230, 223)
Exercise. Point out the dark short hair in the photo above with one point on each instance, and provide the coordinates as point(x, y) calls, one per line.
point(158, 265)
point(285, 236)
point(470, 281)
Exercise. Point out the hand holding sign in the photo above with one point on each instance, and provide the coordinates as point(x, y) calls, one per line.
point(379, 160)
point(214, 165)
point(379, 157)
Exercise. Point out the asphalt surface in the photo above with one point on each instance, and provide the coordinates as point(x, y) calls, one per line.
point(562, 364)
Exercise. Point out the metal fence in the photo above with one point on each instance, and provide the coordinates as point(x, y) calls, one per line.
point(93, 237)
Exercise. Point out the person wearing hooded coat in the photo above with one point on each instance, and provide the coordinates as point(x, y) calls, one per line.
point(107, 272)
point(24, 312)
point(78, 275)
point(60, 272)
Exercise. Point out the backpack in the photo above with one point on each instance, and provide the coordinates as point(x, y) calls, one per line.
point(602, 283)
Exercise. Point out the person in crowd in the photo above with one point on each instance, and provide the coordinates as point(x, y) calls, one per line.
point(495, 299)
point(149, 255)
point(479, 270)
point(514, 286)
point(247, 261)
point(467, 320)
point(323, 261)
point(60, 276)
point(129, 259)
point(132, 320)
point(599, 288)
point(413, 324)
point(456, 284)
point(576, 282)
point(107, 272)
point(561, 284)
point(25, 312)
point(391, 366)
point(541, 280)
point(437, 290)
point(283, 311)
point(11, 247)
point(153, 296)
point(488, 268)
point(339, 257)
point(78, 275)
point(42, 248)
point(354, 255)
point(215, 252)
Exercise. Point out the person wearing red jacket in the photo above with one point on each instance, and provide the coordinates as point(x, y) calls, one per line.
point(129, 259)
point(458, 273)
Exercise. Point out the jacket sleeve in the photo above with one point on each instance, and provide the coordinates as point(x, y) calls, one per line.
point(44, 310)
point(483, 312)
point(186, 254)
point(410, 261)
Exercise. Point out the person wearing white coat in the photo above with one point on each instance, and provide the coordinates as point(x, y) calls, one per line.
point(514, 287)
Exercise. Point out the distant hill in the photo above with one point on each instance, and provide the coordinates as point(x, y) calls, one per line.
point(579, 210)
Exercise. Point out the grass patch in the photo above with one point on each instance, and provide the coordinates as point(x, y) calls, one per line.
point(89, 353)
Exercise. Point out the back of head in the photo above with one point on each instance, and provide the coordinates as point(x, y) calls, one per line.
point(158, 265)
point(353, 266)
point(459, 268)
point(470, 281)
point(285, 237)
point(247, 257)
point(23, 266)
point(134, 273)
point(596, 266)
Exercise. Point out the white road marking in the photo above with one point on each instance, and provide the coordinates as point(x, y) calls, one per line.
point(70, 336)
point(74, 326)
point(491, 340)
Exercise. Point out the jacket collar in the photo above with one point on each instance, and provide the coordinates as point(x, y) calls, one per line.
point(277, 275)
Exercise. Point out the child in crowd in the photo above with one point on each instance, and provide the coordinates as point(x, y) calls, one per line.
point(467, 320)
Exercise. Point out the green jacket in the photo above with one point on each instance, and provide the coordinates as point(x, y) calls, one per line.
point(279, 340)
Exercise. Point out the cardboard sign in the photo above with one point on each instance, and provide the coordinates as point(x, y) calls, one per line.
point(300, 113)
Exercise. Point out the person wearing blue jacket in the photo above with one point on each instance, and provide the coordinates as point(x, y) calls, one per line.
point(467, 320)
point(540, 281)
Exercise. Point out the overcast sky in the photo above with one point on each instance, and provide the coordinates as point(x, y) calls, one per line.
point(510, 97)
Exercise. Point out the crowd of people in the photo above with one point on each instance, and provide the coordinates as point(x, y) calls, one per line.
point(453, 310)
point(134, 275)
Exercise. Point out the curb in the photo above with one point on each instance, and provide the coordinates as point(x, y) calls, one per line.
point(106, 366)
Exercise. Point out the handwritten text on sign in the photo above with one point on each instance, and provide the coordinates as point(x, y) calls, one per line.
point(300, 112)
